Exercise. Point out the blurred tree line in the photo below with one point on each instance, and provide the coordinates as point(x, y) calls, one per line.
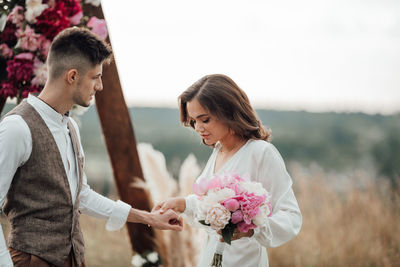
point(336, 141)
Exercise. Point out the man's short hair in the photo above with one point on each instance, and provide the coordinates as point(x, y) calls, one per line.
point(76, 48)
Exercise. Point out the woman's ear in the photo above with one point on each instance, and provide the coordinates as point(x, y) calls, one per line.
point(72, 76)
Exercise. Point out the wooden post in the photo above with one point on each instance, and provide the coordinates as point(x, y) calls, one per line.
point(121, 145)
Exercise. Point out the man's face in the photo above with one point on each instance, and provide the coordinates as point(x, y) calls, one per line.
point(88, 85)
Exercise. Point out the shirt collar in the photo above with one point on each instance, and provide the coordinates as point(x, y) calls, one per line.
point(48, 111)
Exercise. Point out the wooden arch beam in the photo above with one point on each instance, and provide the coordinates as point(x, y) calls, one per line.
point(121, 145)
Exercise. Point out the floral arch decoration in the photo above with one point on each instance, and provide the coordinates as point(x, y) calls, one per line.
point(27, 28)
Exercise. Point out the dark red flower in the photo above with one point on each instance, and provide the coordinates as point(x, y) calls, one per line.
point(8, 34)
point(30, 89)
point(71, 7)
point(8, 89)
point(52, 21)
point(20, 69)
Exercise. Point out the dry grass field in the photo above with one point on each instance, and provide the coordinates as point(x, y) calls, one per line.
point(352, 223)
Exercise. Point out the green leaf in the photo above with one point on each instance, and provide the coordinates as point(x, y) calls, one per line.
point(227, 232)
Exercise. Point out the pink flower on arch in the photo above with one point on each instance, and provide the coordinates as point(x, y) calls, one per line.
point(98, 27)
point(17, 16)
point(20, 68)
point(5, 51)
point(29, 40)
point(76, 19)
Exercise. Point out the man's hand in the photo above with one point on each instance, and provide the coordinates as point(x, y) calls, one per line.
point(177, 204)
point(169, 220)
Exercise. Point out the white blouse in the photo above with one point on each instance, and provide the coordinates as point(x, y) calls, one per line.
point(262, 162)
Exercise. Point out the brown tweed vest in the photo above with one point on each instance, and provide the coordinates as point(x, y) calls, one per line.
point(44, 222)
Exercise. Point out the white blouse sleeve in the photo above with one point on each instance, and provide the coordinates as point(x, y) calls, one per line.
point(191, 209)
point(285, 221)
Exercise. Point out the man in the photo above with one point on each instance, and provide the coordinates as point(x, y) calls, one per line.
point(42, 185)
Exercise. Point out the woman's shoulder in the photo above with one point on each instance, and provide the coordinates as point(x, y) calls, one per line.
point(261, 146)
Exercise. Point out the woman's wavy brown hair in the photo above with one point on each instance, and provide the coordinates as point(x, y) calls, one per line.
point(223, 98)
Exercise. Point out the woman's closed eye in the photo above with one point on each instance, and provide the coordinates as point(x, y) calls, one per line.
point(206, 120)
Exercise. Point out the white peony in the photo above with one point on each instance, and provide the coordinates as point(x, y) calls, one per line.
point(222, 194)
point(40, 71)
point(211, 199)
point(33, 9)
point(256, 188)
point(218, 216)
point(262, 217)
point(93, 2)
point(138, 261)
point(152, 257)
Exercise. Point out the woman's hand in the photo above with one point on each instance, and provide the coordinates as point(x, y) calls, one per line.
point(178, 204)
point(237, 234)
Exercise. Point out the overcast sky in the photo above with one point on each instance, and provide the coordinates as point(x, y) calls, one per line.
point(315, 55)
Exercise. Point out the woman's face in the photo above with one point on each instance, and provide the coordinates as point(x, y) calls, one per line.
point(205, 124)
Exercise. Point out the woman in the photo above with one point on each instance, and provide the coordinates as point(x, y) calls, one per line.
point(221, 114)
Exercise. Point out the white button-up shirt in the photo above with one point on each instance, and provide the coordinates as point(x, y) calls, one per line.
point(15, 150)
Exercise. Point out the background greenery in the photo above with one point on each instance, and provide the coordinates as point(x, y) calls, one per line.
point(339, 142)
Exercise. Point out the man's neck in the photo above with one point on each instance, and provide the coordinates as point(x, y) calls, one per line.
point(56, 100)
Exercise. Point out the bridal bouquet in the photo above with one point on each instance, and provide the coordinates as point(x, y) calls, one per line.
point(230, 202)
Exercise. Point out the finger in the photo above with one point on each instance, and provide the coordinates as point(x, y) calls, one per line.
point(163, 208)
point(156, 207)
point(175, 227)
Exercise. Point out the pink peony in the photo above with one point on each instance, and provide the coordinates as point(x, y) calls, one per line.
point(237, 217)
point(98, 27)
point(250, 205)
point(44, 45)
point(8, 89)
point(5, 51)
point(244, 227)
point(40, 72)
point(21, 67)
point(76, 19)
point(201, 187)
point(231, 204)
point(215, 183)
point(17, 16)
point(27, 56)
point(29, 40)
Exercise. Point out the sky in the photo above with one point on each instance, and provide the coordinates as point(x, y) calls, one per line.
point(314, 55)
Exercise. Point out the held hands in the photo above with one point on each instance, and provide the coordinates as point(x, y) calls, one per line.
point(237, 234)
point(168, 220)
point(166, 214)
point(177, 204)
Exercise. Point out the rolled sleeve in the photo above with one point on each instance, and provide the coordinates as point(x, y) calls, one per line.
point(118, 216)
point(95, 205)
